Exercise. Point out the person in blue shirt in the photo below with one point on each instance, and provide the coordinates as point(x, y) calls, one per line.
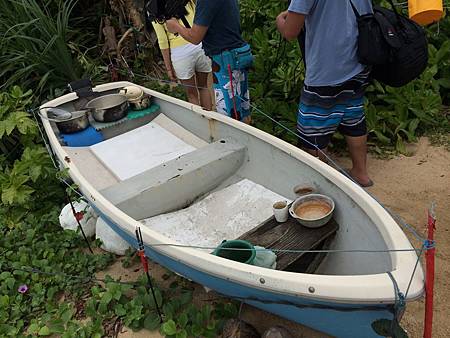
point(217, 26)
point(332, 97)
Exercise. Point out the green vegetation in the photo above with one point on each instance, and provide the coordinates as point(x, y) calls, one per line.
point(28, 182)
point(47, 283)
point(63, 298)
point(394, 115)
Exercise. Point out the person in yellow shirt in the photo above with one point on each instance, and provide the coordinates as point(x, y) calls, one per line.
point(186, 61)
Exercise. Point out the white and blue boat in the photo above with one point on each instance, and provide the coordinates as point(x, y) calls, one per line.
point(190, 178)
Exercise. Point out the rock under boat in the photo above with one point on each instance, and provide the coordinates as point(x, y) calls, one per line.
point(191, 178)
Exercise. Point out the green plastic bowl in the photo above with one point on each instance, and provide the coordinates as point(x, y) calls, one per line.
point(244, 256)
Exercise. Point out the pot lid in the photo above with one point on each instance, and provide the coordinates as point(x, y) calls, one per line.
point(132, 92)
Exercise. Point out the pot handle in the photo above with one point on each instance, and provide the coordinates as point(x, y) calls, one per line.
point(59, 115)
point(292, 213)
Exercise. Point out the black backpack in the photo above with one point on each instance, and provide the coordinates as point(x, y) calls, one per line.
point(395, 46)
point(162, 10)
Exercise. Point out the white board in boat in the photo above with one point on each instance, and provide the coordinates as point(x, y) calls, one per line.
point(141, 149)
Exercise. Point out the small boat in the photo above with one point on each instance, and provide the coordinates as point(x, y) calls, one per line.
point(191, 178)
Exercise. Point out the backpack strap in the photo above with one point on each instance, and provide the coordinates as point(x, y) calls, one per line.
point(355, 10)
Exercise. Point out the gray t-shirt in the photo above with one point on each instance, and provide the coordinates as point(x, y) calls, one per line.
point(331, 39)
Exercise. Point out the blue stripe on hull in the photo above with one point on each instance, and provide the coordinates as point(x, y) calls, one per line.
point(339, 320)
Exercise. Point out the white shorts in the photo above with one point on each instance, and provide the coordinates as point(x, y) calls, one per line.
point(186, 67)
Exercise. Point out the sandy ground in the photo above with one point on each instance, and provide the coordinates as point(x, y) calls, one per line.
point(407, 185)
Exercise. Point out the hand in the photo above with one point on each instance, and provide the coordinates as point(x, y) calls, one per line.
point(281, 20)
point(173, 26)
point(171, 74)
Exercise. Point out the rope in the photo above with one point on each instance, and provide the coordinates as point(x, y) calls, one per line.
point(415, 268)
point(86, 279)
point(212, 248)
point(400, 303)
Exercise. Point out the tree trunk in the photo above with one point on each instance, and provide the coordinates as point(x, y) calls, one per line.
point(134, 42)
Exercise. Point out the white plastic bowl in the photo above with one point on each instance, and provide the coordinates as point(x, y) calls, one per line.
point(313, 210)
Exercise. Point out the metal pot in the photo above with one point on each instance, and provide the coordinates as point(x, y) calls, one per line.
point(137, 99)
point(68, 122)
point(108, 108)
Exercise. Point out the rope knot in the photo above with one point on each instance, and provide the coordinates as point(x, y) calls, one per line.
point(429, 244)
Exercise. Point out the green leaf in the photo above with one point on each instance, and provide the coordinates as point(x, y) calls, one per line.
point(16, 194)
point(444, 52)
point(168, 310)
point(169, 328)
point(44, 331)
point(181, 334)
point(106, 298)
point(444, 83)
point(211, 325)
point(197, 330)
point(151, 321)
point(120, 310)
point(381, 137)
point(10, 283)
point(56, 326)
point(182, 320)
point(186, 297)
point(67, 315)
point(4, 275)
point(4, 301)
point(33, 328)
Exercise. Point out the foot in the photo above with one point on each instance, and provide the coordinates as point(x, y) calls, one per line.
point(362, 179)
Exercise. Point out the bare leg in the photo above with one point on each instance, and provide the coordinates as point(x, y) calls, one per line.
point(357, 147)
point(191, 90)
point(205, 93)
point(316, 153)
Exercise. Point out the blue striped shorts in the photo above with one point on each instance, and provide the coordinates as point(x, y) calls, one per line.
point(323, 110)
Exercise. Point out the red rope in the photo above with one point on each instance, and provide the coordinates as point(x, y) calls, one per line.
point(236, 113)
point(429, 280)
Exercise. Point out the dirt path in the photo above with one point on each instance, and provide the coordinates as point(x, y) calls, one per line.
point(407, 185)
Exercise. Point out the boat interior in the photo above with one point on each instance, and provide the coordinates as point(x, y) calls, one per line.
point(199, 181)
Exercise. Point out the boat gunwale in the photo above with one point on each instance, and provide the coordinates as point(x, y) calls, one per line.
point(346, 289)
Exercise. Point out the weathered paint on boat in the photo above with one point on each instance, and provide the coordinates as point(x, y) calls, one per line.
point(336, 319)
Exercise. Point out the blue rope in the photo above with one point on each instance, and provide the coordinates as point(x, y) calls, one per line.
point(400, 303)
point(415, 268)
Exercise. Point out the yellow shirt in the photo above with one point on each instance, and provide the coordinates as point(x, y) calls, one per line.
point(169, 40)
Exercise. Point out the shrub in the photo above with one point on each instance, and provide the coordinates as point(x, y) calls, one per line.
point(28, 182)
point(394, 115)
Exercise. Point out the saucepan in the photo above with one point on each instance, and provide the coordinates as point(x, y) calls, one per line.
point(67, 122)
point(108, 108)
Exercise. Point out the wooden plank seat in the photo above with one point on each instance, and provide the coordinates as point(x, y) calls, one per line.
point(177, 183)
point(290, 236)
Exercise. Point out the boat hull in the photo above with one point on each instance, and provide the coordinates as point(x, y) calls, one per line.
point(336, 319)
